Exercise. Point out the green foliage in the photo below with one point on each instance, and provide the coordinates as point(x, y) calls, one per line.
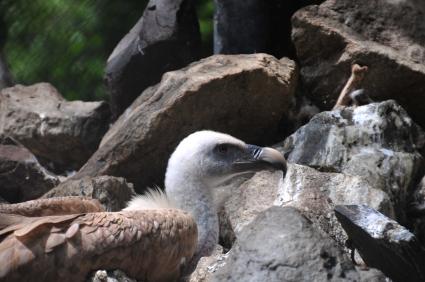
point(67, 42)
point(205, 10)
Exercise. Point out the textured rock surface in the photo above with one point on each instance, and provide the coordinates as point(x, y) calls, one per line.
point(417, 211)
point(245, 202)
point(112, 192)
point(316, 193)
point(207, 266)
point(243, 95)
point(110, 276)
point(385, 35)
point(377, 142)
point(383, 243)
point(281, 245)
point(166, 38)
point(312, 192)
point(65, 133)
point(22, 178)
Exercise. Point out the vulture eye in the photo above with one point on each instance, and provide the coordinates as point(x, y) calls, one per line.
point(222, 148)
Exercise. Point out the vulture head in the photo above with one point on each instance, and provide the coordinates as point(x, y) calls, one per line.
point(204, 161)
point(212, 158)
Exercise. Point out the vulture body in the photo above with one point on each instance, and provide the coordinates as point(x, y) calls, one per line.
point(152, 239)
point(67, 248)
point(53, 206)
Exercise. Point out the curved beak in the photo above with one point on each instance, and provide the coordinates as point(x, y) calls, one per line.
point(261, 158)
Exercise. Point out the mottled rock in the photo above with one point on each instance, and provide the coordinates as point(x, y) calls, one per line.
point(112, 192)
point(207, 266)
point(245, 202)
point(316, 193)
point(165, 38)
point(22, 178)
point(312, 192)
point(243, 95)
point(281, 245)
point(385, 35)
point(63, 133)
point(110, 276)
point(383, 243)
point(378, 142)
point(416, 211)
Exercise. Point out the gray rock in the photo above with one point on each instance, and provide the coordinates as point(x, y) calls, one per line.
point(22, 178)
point(387, 36)
point(316, 193)
point(383, 243)
point(243, 95)
point(165, 38)
point(207, 266)
point(61, 132)
point(281, 245)
point(416, 211)
point(112, 192)
point(377, 142)
point(312, 192)
point(243, 203)
point(110, 276)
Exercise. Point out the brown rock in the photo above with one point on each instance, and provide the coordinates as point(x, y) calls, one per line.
point(243, 95)
point(112, 192)
point(22, 178)
point(386, 36)
point(65, 133)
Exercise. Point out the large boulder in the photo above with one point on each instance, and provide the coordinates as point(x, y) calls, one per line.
point(22, 178)
point(112, 192)
point(165, 38)
point(316, 194)
point(282, 245)
point(387, 36)
point(383, 243)
point(54, 130)
point(312, 192)
point(366, 155)
point(378, 142)
point(243, 95)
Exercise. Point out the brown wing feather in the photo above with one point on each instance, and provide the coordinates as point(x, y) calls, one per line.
point(53, 206)
point(147, 245)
